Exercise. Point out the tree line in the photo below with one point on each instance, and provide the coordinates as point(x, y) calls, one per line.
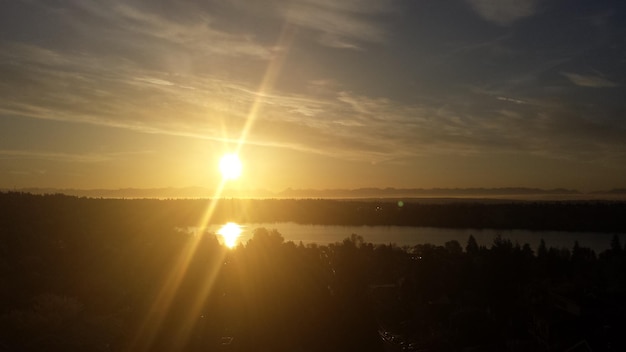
point(108, 275)
point(586, 216)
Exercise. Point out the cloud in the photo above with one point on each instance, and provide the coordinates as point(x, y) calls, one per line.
point(83, 88)
point(504, 12)
point(143, 29)
point(154, 81)
point(589, 80)
point(334, 121)
point(512, 100)
point(196, 34)
point(55, 156)
point(342, 24)
point(121, 81)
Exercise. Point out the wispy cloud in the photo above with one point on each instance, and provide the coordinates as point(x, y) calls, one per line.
point(197, 34)
point(135, 66)
point(590, 81)
point(58, 156)
point(334, 122)
point(504, 12)
point(139, 28)
point(512, 100)
point(342, 24)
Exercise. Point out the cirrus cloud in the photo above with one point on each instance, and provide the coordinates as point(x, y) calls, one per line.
point(589, 81)
point(504, 12)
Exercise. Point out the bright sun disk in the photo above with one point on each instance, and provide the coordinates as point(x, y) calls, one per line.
point(230, 166)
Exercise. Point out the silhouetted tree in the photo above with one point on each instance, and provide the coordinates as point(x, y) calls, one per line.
point(453, 247)
point(542, 251)
point(472, 245)
point(616, 246)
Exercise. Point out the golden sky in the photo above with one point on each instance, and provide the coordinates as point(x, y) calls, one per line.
point(313, 93)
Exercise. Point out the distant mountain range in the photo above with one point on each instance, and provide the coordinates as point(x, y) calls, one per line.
point(422, 192)
point(202, 192)
point(169, 192)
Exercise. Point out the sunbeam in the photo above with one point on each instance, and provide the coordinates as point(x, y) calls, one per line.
point(145, 337)
point(271, 73)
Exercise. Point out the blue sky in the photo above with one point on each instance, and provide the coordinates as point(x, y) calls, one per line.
point(313, 93)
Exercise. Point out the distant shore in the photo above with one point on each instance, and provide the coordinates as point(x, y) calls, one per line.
point(547, 215)
point(422, 194)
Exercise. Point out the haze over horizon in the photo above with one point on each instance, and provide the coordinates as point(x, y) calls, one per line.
point(313, 94)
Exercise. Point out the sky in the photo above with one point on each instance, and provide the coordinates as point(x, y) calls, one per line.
point(315, 94)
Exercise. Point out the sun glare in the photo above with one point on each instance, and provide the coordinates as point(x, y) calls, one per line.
point(230, 166)
point(230, 233)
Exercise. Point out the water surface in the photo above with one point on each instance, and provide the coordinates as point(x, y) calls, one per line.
point(410, 236)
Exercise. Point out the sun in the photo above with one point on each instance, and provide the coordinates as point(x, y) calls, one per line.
point(230, 166)
point(230, 232)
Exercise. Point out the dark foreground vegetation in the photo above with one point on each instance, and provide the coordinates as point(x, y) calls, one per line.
point(112, 275)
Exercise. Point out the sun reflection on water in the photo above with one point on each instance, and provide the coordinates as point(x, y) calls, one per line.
point(230, 233)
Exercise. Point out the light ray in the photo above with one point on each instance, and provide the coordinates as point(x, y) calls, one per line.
point(145, 337)
point(283, 46)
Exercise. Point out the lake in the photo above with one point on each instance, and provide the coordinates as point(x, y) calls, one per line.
point(410, 236)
